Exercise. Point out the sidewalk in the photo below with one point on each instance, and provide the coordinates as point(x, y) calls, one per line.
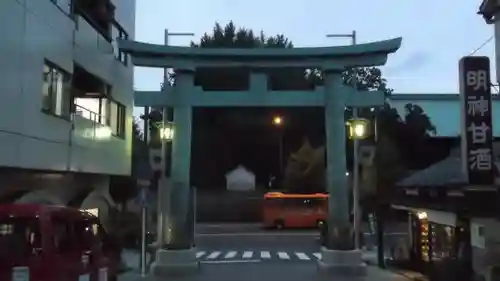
point(370, 258)
point(130, 259)
point(374, 274)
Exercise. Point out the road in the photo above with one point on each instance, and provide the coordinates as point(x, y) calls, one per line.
point(247, 252)
point(249, 243)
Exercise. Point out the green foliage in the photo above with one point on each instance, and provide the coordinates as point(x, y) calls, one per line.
point(235, 79)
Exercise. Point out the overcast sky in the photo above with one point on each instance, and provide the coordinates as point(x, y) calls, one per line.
point(435, 33)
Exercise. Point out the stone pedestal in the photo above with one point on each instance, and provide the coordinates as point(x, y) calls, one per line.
point(175, 262)
point(348, 263)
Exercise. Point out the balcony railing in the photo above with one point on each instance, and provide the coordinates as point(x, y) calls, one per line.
point(102, 38)
point(96, 127)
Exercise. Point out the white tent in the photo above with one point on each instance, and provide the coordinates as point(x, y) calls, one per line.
point(240, 179)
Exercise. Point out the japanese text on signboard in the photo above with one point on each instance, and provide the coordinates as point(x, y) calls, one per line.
point(475, 91)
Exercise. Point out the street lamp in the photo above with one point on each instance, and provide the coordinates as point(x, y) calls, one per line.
point(167, 132)
point(358, 128)
point(277, 120)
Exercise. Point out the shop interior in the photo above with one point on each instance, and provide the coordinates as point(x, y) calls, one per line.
point(434, 240)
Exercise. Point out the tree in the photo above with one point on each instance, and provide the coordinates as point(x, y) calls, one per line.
point(230, 36)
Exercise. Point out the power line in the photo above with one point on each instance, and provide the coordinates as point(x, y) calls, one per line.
point(482, 45)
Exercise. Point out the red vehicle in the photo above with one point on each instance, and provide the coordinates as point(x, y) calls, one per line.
point(50, 243)
point(294, 210)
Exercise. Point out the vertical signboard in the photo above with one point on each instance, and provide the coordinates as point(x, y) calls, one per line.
point(475, 97)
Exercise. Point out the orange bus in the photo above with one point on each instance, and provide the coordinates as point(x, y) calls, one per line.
point(282, 210)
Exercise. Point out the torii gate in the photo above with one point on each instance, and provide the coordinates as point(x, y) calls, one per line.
point(333, 96)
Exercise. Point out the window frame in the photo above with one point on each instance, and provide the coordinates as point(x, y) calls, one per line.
point(66, 96)
point(121, 116)
point(122, 34)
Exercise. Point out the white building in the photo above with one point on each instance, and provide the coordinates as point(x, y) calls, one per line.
point(66, 97)
point(240, 179)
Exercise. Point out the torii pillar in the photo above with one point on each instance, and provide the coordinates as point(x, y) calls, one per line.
point(338, 255)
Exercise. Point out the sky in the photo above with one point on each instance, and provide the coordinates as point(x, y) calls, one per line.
point(436, 34)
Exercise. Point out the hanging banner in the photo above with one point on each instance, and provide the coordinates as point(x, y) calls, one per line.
point(476, 129)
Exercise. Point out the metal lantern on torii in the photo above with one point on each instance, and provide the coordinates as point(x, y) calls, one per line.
point(184, 95)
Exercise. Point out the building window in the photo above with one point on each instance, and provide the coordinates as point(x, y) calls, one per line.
point(118, 32)
point(117, 119)
point(56, 94)
point(95, 109)
point(99, 14)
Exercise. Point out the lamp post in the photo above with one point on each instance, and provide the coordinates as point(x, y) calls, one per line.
point(278, 121)
point(358, 129)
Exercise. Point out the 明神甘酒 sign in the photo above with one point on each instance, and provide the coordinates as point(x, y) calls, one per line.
point(475, 96)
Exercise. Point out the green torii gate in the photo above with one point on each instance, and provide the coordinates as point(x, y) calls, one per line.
point(182, 97)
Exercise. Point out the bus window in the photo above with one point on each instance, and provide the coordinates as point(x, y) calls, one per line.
point(274, 202)
point(19, 237)
point(64, 240)
point(318, 202)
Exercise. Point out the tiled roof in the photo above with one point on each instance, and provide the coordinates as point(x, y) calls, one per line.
point(445, 172)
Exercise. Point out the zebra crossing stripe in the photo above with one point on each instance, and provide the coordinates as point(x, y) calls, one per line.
point(283, 256)
point(264, 255)
point(302, 256)
point(200, 254)
point(247, 254)
point(213, 255)
point(230, 255)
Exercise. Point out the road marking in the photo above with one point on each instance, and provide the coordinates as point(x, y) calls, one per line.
point(232, 261)
point(302, 256)
point(230, 255)
point(262, 234)
point(200, 254)
point(213, 255)
point(260, 255)
point(247, 254)
point(283, 256)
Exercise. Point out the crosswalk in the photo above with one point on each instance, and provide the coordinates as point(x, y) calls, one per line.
point(246, 255)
